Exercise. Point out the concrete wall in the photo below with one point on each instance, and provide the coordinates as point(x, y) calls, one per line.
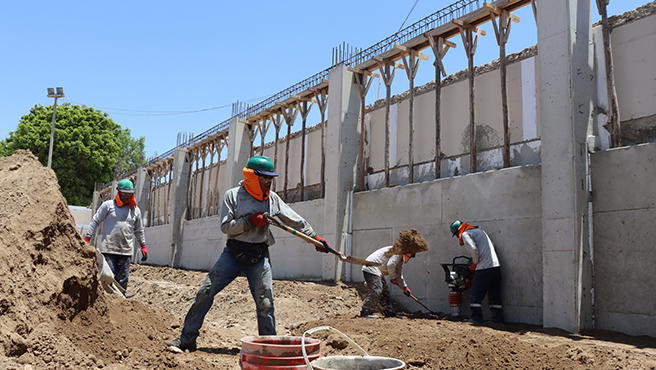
point(505, 203)
point(546, 264)
point(624, 239)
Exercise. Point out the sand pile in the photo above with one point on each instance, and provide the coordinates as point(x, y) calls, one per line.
point(52, 311)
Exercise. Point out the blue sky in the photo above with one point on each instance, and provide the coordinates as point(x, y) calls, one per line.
point(147, 62)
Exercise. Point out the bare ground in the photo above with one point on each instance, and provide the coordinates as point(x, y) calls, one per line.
point(54, 315)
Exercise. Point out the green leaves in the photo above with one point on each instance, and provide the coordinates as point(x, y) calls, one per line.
point(89, 147)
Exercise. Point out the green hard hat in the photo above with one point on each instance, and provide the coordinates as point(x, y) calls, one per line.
point(126, 186)
point(262, 166)
point(455, 225)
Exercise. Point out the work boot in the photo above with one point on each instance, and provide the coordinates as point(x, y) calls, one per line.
point(392, 314)
point(366, 312)
point(177, 345)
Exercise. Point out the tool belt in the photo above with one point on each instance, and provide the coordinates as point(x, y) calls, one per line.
point(246, 253)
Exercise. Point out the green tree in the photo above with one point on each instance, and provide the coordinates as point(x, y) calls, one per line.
point(88, 147)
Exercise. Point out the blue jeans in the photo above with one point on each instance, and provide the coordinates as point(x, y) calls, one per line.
point(224, 271)
point(120, 266)
point(486, 281)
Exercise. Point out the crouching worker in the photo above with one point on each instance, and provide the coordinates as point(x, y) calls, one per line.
point(246, 251)
point(486, 267)
point(391, 259)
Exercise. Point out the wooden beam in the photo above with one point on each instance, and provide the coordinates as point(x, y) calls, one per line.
point(407, 50)
point(462, 24)
point(364, 72)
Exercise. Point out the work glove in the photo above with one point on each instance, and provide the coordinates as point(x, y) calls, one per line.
point(395, 281)
point(323, 241)
point(257, 219)
point(87, 239)
point(407, 292)
point(144, 252)
point(472, 267)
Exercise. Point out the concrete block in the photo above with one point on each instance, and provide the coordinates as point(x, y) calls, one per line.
point(523, 314)
point(380, 208)
point(629, 323)
point(623, 255)
point(463, 197)
point(614, 169)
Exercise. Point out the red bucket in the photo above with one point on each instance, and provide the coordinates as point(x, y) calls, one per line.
point(276, 352)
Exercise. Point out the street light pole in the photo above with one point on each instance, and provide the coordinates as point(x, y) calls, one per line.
point(52, 94)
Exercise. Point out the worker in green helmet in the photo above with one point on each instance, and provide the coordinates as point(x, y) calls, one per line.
point(486, 268)
point(122, 224)
point(246, 251)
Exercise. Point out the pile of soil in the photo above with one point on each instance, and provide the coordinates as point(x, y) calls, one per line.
point(54, 314)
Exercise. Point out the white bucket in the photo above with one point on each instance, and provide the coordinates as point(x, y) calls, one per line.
point(357, 363)
point(364, 362)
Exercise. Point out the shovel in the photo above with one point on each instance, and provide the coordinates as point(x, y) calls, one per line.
point(349, 259)
point(107, 277)
point(416, 300)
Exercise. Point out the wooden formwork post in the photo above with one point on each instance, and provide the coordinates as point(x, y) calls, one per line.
point(502, 31)
point(613, 124)
point(289, 111)
point(277, 124)
point(322, 101)
point(387, 70)
point(469, 41)
point(411, 60)
point(304, 110)
point(439, 47)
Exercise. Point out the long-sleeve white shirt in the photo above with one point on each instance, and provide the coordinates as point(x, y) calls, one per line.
point(392, 266)
point(481, 249)
point(121, 225)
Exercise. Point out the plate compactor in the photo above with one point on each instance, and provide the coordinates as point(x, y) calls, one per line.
point(458, 277)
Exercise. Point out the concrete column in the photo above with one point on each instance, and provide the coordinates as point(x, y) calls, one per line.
point(141, 194)
point(239, 148)
point(178, 200)
point(343, 147)
point(566, 90)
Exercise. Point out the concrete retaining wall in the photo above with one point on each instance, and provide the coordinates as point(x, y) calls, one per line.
point(624, 239)
point(536, 213)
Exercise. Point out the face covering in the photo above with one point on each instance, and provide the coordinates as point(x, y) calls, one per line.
point(131, 203)
point(464, 227)
point(252, 185)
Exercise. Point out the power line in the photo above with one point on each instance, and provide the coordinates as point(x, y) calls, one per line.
point(154, 113)
point(408, 16)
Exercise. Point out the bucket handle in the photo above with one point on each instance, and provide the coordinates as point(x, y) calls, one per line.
point(331, 329)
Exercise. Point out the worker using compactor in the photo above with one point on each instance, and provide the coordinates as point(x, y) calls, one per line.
point(391, 259)
point(244, 221)
point(486, 267)
point(121, 220)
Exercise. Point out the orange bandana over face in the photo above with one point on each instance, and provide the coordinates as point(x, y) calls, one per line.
point(132, 203)
point(252, 185)
point(464, 227)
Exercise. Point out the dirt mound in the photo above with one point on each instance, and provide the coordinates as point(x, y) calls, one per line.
point(52, 312)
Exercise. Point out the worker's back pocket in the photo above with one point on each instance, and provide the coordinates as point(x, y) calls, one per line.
point(246, 253)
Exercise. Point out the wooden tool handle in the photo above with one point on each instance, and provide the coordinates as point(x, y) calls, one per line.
point(292, 231)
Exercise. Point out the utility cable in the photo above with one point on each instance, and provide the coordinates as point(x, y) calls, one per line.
point(408, 16)
point(139, 112)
